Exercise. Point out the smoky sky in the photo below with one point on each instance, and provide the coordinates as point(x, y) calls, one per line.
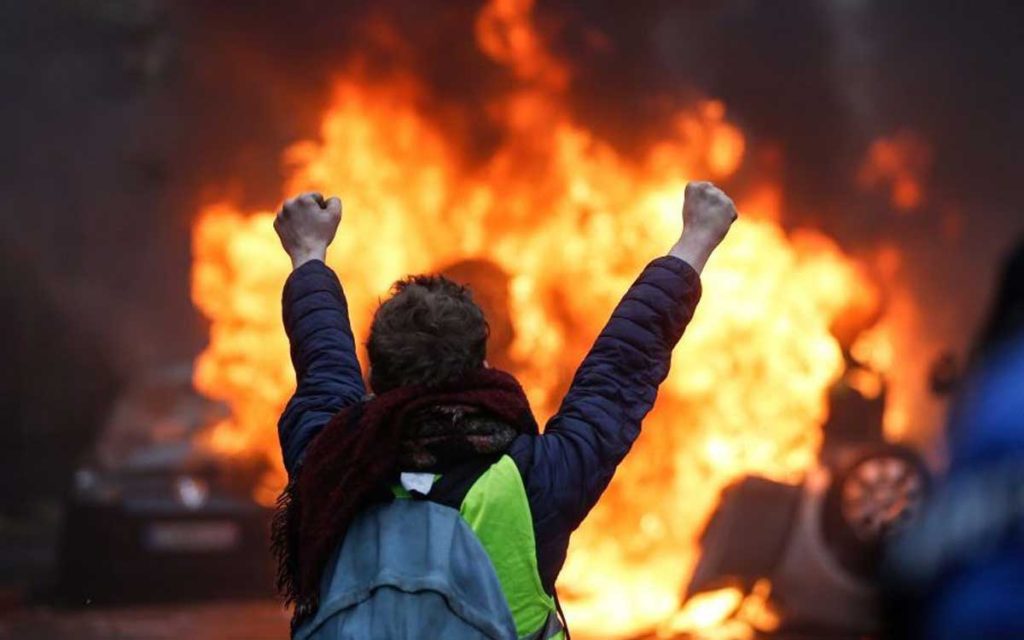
point(120, 118)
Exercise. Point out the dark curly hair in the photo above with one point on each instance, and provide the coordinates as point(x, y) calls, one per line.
point(429, 331)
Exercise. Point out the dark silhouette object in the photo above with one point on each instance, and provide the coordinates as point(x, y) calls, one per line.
point(854, 418)
point(490, 285)
point(957, 573)
point(1006, 318)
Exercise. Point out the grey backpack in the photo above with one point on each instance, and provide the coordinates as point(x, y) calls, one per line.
point(410, 569)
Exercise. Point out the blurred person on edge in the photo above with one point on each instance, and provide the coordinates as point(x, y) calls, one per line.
point(959, 571)
point(433, 507)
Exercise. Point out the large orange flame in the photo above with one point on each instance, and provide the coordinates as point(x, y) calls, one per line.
point(573, 222)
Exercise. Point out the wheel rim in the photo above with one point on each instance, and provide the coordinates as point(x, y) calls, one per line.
point(880, 495)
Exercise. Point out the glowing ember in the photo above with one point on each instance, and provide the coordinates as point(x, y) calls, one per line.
point(573, 222)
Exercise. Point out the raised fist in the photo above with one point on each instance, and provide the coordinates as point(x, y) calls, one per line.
point(707, 212)
point(306, 225)
point(707, 215)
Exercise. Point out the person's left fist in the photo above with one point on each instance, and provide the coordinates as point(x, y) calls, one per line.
point(306, 225)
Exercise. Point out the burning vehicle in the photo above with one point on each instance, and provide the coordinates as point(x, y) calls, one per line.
point(154, 514)
point(810, 553)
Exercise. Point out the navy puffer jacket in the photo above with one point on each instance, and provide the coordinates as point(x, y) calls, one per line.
point(566, 469)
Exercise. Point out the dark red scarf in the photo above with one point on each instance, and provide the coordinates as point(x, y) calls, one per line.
point(359, 454)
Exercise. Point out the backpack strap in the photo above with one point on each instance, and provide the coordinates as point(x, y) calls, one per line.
point(553, 626)
point(451, 488)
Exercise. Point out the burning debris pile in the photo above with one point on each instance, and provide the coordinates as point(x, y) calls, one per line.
point(571, 221)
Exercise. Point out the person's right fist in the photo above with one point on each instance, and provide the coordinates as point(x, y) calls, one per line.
point(306, 225)
point(707, 213)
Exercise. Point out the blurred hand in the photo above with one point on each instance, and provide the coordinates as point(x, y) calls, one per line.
point(707, 215)
point(306, 225)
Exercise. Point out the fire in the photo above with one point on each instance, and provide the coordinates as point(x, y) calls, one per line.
point(724, 614)
point(572, 221)
point(900, 164)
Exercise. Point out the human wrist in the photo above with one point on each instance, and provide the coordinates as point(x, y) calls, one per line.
point(301, 257)
point(694, 248)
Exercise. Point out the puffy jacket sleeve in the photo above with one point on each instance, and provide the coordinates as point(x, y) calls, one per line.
point(611, 393)
point(323, 353)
